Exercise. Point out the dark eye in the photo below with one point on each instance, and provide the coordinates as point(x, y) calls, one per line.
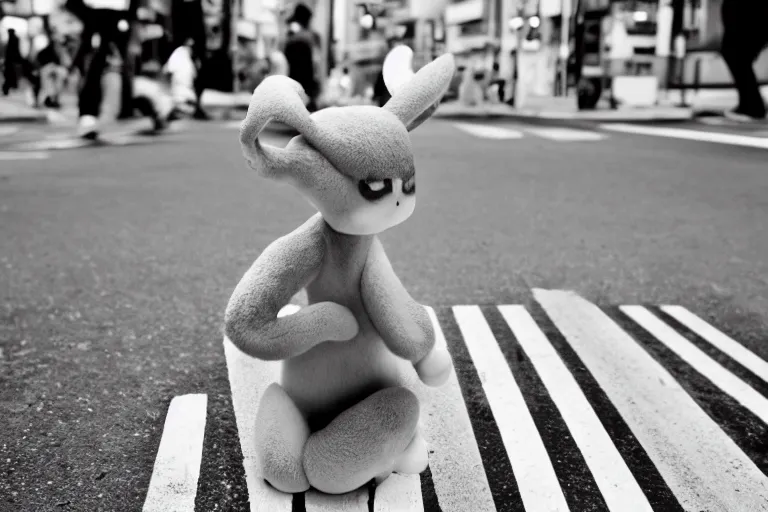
point(373, 190)
point(409, 186)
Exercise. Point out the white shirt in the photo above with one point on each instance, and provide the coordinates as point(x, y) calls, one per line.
point(181, 67)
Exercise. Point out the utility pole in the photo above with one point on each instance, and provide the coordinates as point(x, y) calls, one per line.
point(129, 57)
point(565, 47)
point(233, 42)
point(578, 36)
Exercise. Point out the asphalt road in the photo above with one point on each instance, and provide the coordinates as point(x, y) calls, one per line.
point(117, 263)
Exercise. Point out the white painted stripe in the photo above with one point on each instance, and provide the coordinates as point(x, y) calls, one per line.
point(489, 132)
point(722, 341)
point(58, 143)
point(708, 367)
point(536, 479)
point(355, 501)
point(248, 378)
point(173, 485)
point(8, 130)
point(454, 460)
point(399, 493)
point(614, 479)
point(698, 135)
point(567, 134)
point(703, 467)
point(23, 155)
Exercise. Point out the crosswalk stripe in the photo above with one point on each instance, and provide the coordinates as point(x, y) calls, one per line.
point(723, 342)
point(691, 354)
point(703, 467)
point(566, 134)
point(23, 155)
point(248, 378)
point(457, 468)
point(399, 493)
point(355, 501)
point(488, 131)
point(697, 135)
point(536, 478)
point(617, 484)
point(173, 484)
point(8, 130)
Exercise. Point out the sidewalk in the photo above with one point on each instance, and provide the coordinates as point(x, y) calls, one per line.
point(13, 109)
point(559, 110)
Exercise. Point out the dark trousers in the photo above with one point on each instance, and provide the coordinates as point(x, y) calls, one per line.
point(91, 93)
point(744, 37)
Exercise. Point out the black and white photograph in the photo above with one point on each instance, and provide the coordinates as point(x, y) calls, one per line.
point(222, 291)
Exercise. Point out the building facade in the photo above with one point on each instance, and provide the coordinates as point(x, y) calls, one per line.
point(363, 33)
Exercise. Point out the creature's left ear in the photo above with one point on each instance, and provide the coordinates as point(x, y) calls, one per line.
point(415, 97)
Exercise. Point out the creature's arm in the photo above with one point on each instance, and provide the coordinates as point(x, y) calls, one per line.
point(286, 266)
point(403, 323)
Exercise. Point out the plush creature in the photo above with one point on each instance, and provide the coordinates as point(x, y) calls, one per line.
point(342, 414)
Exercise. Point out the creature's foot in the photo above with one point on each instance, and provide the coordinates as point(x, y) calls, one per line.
point(435, 368)
point(281, 434)
point(363, 442)
point(415, 458)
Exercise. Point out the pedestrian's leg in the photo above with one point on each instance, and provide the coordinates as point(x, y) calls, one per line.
point(89, 99)
point(739, 58)
point(200, 113)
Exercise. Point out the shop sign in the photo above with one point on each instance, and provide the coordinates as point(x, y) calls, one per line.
point(366, 50)
point(468, 10)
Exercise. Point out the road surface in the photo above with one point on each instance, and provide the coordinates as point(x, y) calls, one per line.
point(603, 291)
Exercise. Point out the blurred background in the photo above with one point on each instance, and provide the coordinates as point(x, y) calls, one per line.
point(613, 150)
point(584, 54)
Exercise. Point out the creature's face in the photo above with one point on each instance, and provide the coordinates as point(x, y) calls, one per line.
point(354, 164)
point(367, 184)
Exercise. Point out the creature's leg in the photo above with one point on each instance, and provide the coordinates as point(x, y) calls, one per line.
point(281, 434)
point(415, 458)
point(363, 442)
point(412, 461)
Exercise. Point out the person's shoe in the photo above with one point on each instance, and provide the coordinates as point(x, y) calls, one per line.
point(88, 128)
point(736, 115)
point(201, 115)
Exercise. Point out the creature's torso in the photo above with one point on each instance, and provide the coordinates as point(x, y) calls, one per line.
point(334, 375)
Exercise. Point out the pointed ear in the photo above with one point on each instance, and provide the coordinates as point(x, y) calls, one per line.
point(416, 97)
point(277, 98)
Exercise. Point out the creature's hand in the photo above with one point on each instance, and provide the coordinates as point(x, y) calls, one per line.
point(251, 320)
point(333, 322)
point(435, 368)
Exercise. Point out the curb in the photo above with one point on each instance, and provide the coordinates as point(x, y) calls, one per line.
point(681, 117)
point(28, 118)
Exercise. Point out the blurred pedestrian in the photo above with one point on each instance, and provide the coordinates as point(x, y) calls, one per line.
point(301, 50)
point(183, 73)
point(53, 72)
point(745, 36)
point(12, 63)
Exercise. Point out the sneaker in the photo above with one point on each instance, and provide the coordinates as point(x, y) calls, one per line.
point(88, 128)
point(735, 115)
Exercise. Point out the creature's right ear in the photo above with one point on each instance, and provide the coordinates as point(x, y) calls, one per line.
point(415, 96)
point(277, 98)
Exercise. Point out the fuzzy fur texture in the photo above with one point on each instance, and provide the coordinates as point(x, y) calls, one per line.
point(341, 414)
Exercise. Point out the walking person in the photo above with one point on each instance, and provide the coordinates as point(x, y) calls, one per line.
point(12, 63)
point(301, 52)
point(745, 36)
point(52, 72)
